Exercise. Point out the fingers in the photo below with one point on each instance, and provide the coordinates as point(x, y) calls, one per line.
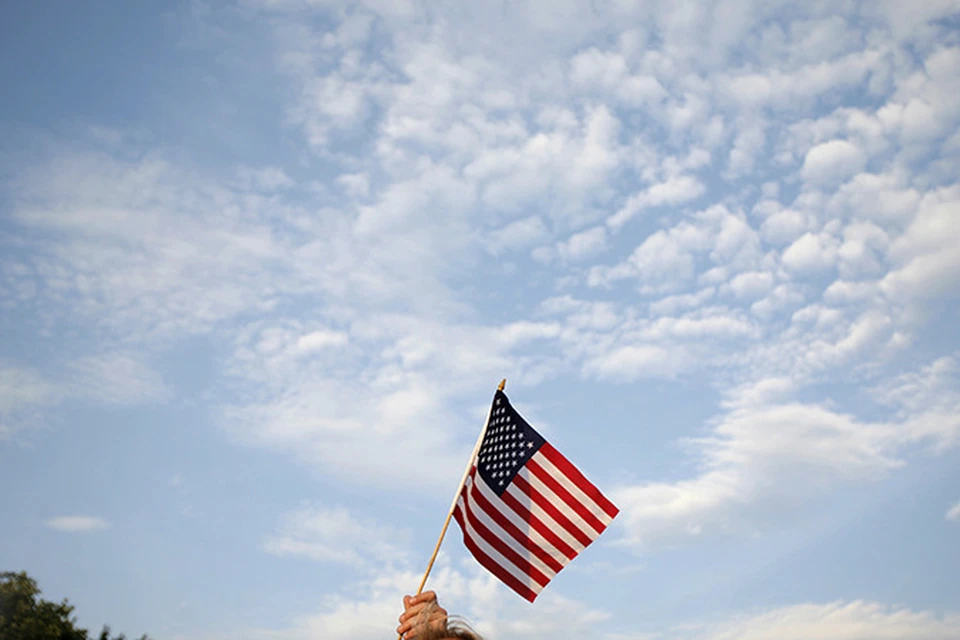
point(413, 605)
point(426, 596)
point(413, 618)
point(416, 612)
point(409, 628)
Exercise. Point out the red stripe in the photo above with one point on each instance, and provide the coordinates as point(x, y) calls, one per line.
point(505, 576)
point(502, 548)
point(539, 526)
point(545, 504)
point(578, 479)
point(497, 516)
point(564, 495)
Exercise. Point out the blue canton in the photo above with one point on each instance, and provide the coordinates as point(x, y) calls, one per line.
point(507, 445)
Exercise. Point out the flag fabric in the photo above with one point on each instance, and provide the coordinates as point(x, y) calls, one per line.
point(525, 510)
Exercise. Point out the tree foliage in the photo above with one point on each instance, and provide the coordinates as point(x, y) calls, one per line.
point(24, 615)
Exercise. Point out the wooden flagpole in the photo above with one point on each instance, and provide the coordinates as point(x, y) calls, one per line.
point(456, 496)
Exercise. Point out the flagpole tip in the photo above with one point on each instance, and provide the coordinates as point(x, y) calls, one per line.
point(502, 384)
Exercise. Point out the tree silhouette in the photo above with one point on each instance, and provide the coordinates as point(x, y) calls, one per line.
point(24, 615)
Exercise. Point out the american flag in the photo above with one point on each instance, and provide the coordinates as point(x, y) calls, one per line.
point(525, 510)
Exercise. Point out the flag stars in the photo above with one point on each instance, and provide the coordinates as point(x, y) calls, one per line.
point(508, 443)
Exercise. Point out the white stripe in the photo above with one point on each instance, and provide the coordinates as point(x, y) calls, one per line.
point(494, 555)
point(545, 517)
point(572, 516)
point(480, 514)
point(524, 526)
point(574, 490)
point(562, 505)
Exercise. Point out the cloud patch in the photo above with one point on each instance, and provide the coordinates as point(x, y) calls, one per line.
point(953, 513)
point(335, 535)
point(77, 524)
point(857, 620)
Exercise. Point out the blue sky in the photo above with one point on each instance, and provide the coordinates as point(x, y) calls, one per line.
point(263, 263)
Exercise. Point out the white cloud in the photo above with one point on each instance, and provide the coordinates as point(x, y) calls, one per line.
point(930, 397)
point(320, 340)
point(23, 393)
point(784, 226)
point(517, 235)
point(668, 258)
point(799, 87)
point(747, 146)
point(846, 292)
point(674, 190)
point(584, 244)
point(663, 262)
point(577, 247)
point(266, 179)
point(811, 254)
point(905, 21)
point(926, 263)
point(392, 393)
point(357, 185)
point(833, 162)
point(595, 67)
point(880, 197)
point(783, 297)
point(403, 204)
point(925, 107)
point(607, 72)
point(567, 163)
point(580, 314)
point(143, 244)
point(705, 323)
point(333, 104)
point(77, 524)
point(863, 251)
point(111, 378)
point(325, 420)
point(670, 305)
point(336, 535)
point(752, 284)
point(747, 469)
point(637, 361)
point(468, 591)
point(117, 378)
point(857, 620)
point(760, 393)
point(953, 513)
